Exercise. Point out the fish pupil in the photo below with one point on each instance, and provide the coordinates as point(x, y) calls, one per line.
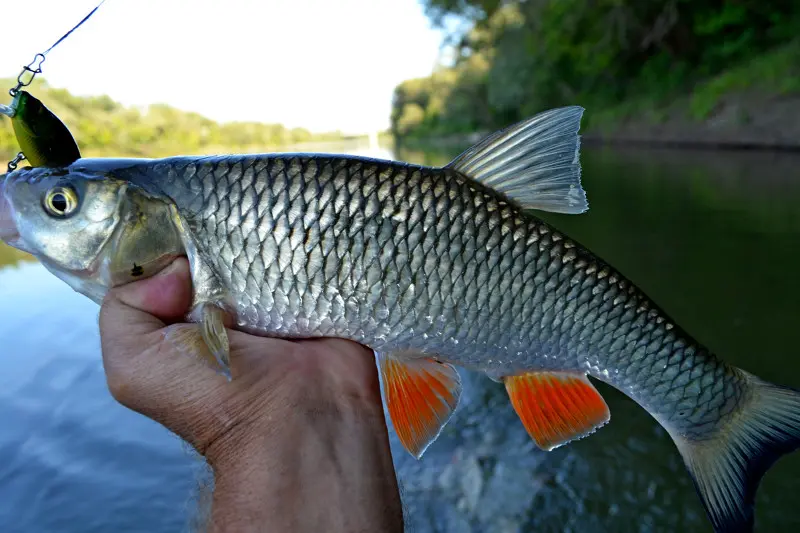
point(59, 202)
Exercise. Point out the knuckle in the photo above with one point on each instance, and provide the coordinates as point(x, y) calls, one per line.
point(122, 388)
point(107, 308)
point(126, 369)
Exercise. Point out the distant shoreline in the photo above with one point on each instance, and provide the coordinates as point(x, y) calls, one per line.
point(738, 121)
point(645, 140)
point(689, 142)
point(769, 124)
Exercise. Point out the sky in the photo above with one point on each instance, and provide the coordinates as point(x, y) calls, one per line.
point(322, 65)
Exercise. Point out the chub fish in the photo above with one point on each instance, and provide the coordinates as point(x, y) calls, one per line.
point(432, 268)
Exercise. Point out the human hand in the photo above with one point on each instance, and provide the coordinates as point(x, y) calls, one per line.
point(300, 422)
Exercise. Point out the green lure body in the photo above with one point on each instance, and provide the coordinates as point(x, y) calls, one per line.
point(43, 138)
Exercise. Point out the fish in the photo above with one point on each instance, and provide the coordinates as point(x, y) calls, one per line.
point(44, 139)
point(433, 268)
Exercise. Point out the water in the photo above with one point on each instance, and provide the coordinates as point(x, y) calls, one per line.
point(712, 236)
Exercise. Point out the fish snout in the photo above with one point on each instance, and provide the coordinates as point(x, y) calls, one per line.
point(8, 228)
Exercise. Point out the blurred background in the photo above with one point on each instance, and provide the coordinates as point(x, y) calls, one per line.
point(690, 161)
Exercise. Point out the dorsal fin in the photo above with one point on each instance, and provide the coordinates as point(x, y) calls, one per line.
point(535, 162)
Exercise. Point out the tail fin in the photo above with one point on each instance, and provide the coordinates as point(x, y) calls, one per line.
point(534, 162)
point(727, 468)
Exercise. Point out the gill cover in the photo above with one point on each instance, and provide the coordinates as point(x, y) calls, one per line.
point(146, 239)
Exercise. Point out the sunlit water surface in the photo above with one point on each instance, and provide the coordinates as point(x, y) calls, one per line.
point(712, 237)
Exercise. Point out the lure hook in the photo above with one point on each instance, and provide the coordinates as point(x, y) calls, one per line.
point(12, 165)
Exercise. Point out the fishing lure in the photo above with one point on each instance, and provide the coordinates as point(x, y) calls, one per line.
point(44, 139)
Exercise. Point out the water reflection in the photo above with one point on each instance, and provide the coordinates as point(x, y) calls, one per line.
point(73, 458)
point(712, 237)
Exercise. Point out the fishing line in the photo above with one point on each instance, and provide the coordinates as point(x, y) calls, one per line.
point(32, 69)
point(35, 66)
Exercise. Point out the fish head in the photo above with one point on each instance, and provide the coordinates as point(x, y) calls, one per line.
point(90, 229)
point(58, 216)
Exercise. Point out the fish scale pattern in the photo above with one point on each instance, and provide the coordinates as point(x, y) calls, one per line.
point(402, 257)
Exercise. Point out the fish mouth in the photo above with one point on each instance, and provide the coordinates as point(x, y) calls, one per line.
point(8, 228)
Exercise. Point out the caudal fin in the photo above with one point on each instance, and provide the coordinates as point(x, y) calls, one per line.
point(727, 467)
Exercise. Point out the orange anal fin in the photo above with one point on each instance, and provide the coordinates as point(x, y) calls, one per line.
point(556, 407)
point(421, 395)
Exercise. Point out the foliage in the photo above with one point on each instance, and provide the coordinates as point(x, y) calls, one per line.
point(9, 256)
point(520, 56)
point(777, 72)
point(103, 127)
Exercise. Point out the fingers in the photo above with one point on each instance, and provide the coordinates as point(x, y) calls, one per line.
point(151, 368)
point(130, 314)
point(304, 364)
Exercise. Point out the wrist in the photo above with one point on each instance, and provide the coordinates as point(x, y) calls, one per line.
point(334, 454)
point(300, 400)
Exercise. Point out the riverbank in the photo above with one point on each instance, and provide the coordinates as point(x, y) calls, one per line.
point(742, 121)
point(754, 105)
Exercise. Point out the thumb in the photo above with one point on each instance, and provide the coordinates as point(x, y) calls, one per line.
point(167, 295)
point(135, 310)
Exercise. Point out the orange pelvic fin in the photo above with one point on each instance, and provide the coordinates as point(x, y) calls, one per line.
point(421, 395)
point(556, 407)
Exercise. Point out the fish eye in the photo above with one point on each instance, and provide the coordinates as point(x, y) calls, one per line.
point(61, 201)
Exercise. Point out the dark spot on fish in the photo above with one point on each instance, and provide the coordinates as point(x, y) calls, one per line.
point(136, 271)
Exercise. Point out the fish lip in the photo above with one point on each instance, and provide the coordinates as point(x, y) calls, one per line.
point(8, 227)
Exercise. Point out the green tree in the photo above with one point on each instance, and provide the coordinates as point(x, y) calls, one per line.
point(104, 127)
point(515, 57)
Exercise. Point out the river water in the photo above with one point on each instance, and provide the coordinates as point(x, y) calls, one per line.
point(713, 237)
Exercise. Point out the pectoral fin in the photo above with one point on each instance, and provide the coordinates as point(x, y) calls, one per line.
point(213, 328)
point(556, 407)
point(421, 395)
point(188, 339)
